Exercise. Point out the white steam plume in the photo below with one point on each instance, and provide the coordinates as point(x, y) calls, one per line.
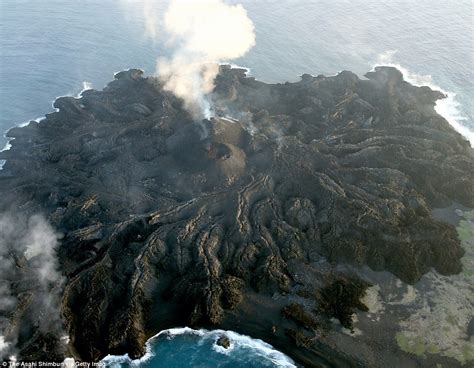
point(150, 20)
point(3, 344)
point(28, 262)
point(7, 232)
point(203, 34)
point(148, 12)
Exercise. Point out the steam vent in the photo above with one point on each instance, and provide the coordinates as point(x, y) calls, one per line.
point(309, 215)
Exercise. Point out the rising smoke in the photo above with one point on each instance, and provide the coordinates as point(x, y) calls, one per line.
point(200, 34)
point(145, 10)
point(204, 34)
point(29, 271)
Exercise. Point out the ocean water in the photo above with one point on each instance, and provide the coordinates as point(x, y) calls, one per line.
point(50, 48)
point(185, 347)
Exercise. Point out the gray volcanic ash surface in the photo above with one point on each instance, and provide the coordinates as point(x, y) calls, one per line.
point(268, 218)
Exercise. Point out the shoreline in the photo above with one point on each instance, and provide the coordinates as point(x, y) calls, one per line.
point(443, 105)
point(236, 339)
point(266, 227)
point(259, 331)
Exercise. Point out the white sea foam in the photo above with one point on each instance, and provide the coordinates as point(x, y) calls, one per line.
point(7, 147)
point(258, 347)
point(86, 86)
point(25, 123)
point(38, 120)
point(248, 71)
point(115, 360)
point(447, 107)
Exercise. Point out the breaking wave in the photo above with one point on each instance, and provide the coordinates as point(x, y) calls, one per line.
point(186, 347)
point(447, 107)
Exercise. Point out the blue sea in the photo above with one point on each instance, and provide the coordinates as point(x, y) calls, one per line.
point(50, 48)
point(185, 347)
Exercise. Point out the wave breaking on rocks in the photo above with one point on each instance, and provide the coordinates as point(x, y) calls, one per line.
point(271, 224)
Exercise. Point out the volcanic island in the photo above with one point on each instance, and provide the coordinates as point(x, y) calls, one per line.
point(322, 216)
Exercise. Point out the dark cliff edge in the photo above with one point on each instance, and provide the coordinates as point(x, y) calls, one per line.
point(238, 222)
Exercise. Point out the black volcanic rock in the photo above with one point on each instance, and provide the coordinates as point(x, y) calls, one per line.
point(223, 341)
point(340, 298)
point(169, 221)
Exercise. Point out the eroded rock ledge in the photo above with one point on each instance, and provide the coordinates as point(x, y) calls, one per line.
point(168, 221)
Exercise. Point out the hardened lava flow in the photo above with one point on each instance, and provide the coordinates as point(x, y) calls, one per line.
point(266, 219)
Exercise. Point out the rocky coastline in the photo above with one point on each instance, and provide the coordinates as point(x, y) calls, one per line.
point(275, 218)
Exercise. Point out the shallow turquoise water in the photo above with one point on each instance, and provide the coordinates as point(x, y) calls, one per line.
point(187, 348)
point(50, 48)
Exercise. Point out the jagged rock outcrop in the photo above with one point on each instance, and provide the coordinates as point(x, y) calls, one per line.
point(171, 221)
point(223, 341)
